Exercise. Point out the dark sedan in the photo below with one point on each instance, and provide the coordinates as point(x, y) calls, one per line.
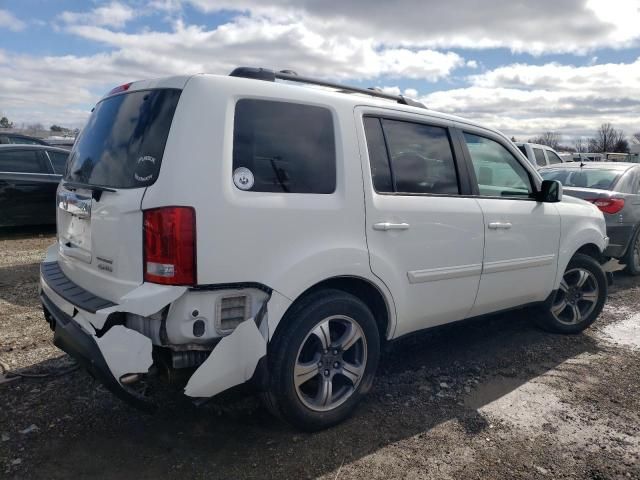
point(614, 187)
point(29, 177)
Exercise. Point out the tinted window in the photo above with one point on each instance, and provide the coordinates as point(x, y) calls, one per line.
point(20, 161)
point(523, 150)
point(288, 147)
point(59, 161)
point(583, 177)
point(539, 154)
point(498, 172)
point(123, 142)
point(421, 158)
point(553, 158)
point(380, 171)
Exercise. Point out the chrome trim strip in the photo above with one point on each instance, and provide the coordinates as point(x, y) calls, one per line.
point(444, 273)
point(518, 263)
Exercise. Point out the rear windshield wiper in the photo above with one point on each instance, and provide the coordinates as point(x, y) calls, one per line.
point(96, 190)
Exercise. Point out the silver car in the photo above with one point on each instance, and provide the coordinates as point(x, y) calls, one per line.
point(615, 189)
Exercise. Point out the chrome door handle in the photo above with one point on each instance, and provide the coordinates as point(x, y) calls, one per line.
point(499, 225)
point(384, 226)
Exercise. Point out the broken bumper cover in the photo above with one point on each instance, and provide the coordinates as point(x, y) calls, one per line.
point(71, 338)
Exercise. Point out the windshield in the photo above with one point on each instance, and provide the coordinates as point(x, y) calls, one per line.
point(123, 142)
point(583, 177)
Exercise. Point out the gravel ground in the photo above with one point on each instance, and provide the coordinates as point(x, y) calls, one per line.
point(491, 399)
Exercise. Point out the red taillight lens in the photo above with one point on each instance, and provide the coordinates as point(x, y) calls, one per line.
point(609, 205)
point(170, 246)
point(120, 88)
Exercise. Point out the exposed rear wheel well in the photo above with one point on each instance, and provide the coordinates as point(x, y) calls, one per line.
point(592, 251)
point(360, 288)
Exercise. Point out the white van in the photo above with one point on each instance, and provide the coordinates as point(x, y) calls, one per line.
point(278, 229)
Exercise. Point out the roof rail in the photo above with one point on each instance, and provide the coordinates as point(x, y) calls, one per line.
point(268, 75)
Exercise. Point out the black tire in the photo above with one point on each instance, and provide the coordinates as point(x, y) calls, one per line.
point(597, 285)
point(631, 265)
point(282, 397)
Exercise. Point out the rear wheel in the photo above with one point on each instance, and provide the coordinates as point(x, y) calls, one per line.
point(580, 298)
point(323, 361)
point(632, 257)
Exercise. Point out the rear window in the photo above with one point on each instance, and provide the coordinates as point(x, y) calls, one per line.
point(123, 142)
point(283, 147)
point(583, 178)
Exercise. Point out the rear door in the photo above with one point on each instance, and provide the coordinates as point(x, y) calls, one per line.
point(27, 188)
point(117, 156)
point(425, 238)
point(522, 236)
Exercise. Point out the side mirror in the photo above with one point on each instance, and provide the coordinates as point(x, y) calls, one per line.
point(550, 192)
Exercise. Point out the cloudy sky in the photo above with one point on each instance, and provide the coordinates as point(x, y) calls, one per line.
point(521, 66)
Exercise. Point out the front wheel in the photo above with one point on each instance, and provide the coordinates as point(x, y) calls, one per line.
point(323, 360)
point(580, 298)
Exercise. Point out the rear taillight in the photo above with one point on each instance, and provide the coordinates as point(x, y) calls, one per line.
point(170, 246)
point(608, 205)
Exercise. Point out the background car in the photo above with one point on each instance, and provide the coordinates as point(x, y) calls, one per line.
point(29, 177)
point(16, 138)
point(539, 155)
point(614, 187)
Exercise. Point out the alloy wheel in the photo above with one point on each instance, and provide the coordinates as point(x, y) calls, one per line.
point(330, 363)
point(576, 298)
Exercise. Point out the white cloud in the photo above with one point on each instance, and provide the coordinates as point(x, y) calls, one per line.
point(114, 14)
point(538, 27)
point(526, 100)
point(10, 22)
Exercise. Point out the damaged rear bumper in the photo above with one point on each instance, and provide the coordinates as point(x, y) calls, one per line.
point(71, 338)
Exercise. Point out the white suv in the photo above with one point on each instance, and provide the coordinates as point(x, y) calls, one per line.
point(244, 227)
point(539, 155)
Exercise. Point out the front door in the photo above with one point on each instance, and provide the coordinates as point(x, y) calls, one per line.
point(425, 240)
point(522, 235)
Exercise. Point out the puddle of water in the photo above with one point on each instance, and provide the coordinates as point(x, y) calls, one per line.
point(625, 332)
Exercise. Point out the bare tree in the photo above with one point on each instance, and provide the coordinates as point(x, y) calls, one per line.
point(581, 145)
point(551, 139)
point(608, 139)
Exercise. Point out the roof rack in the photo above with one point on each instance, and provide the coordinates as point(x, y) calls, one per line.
point(268, 75)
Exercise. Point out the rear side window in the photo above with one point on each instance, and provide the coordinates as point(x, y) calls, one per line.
point(378, 159)
point(286, 147)
point(553, 158)
point(539, 154)
point(21, 161)
point(123, 142)
point(420, 157)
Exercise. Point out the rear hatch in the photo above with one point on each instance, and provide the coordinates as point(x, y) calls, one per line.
point(115, 159)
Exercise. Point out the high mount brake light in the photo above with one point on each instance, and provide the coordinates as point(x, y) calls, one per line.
point(120, 88)
point(608, 205)
point(170, 245)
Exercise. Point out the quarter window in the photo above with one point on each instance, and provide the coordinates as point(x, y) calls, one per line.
point(420, 157)
point(287, 147)
point(380, 169)
point(59, 161)
point(20, 161)
point(498, 172)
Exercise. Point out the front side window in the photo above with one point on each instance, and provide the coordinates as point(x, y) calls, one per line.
point(539, 154)
point(286, 147)
point(421, 158)
point(20, 161)
point(498, 172)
